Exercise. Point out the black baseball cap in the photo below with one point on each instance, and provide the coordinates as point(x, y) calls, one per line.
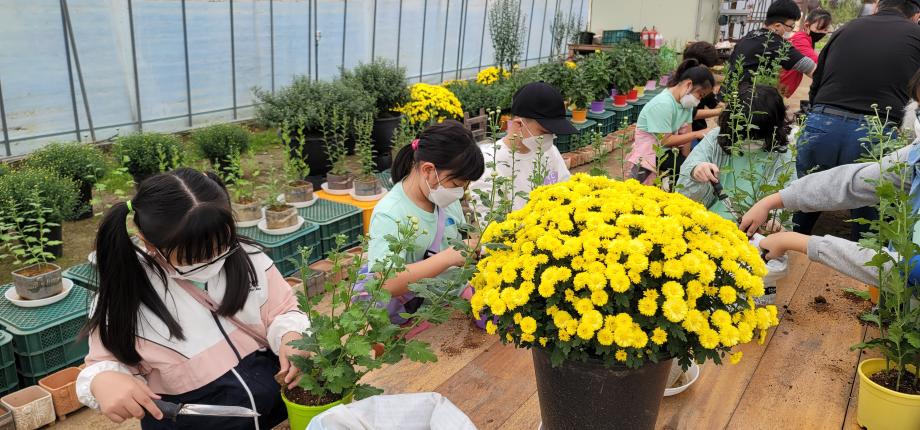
point(543, 103)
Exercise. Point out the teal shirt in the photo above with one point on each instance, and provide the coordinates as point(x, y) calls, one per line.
point(396, 206)
point(663, 114)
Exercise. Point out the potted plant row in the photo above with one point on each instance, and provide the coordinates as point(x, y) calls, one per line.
point(366, 185)
point(24, 240)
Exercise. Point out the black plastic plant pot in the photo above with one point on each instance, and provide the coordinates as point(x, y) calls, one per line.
point(382, 135)
point(586, 38)
point(589, 396)
point(55, 233)
point(314, 150)
point(85, 210)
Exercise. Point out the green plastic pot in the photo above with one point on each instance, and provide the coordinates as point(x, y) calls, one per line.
point(299, 416)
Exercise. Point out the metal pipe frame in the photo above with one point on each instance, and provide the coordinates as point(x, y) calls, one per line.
point(444, 45)
point(421, 56)
point(73, 93)
point(461, 37)
point(482, 39)
point(233, 58)
point(137, 85)
point(76, 62)
point(529, 30)
point(344, 31)
point(188, 78)
point(543, 31)
point(399, 32)
point(271, 36)
point(374, 33)
point(6, 132)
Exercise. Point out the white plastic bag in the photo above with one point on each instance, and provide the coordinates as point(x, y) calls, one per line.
point(419, 411)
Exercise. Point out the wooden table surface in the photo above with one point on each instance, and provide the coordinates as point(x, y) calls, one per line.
point(802, 377)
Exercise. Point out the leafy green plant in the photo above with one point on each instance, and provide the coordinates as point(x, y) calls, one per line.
point(295, 162)
point(243, 189)
point(596, 74)
point(507, 27)
point(891, 236)
point(667, 60)
point(364, 146)
point(307, 102)
point(335, 133)
point(148, 153)
point(221, 144)
point(600, 154)
point(25, 227)
point(559, 75)
point(84, 163)
point(474, 96)
point(383, 80)
point(405, 133)
point(563, 30)
point(623, 68)
point(580, 92)
point(58, 194)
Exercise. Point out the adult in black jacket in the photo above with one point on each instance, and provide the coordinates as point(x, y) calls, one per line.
point(865, 65)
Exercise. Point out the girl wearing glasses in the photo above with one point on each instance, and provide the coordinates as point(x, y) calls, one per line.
point(192, 313)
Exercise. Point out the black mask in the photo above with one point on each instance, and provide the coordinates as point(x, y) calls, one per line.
point(815, 37)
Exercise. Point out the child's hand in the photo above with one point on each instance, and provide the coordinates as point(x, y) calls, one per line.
point(122, 396)
point(778, 243)
point(757, 215)
point(706, 172)
point(289, 372)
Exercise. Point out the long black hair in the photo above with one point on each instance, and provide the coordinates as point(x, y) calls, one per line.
point(449, 146)
point(185, 214)
point(698, 74)
point(764, 104)
point(704, 52)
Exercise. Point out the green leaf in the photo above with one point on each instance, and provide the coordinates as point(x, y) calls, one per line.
point(419, 351)
point(363, 391)
point(357, 346)
point(913, 338)
point(328, 339)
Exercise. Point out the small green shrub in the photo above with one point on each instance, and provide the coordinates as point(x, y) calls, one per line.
point(383, 80)
point(84, 163)
point(57, 193)
point(146, 154)
point(221, 144)
point(306, 102)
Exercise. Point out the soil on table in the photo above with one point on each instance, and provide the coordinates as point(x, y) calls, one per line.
point(820, 304)
point(889, 380)
point(35, 270)
point(279, 208)
point(303, 397)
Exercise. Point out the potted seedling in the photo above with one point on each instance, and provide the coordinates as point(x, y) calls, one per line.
point(57, 193)
point(247, 211)
point(335, 133)
point(280, 217)
point(597, 78)
point(366, 185)
point(24, 229)
point(298, 192)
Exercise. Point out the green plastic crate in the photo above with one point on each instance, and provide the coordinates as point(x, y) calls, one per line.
point(84, 275)
point(26, 380)
point(35, 330)
point(637, 109)
point(9, 380)
point(53, 358)
point(609, 37)
point(335, 218)
point(282, 247)
point(606, 121)
point(619, 114)
point(386, 179)
point(564, 142)
point(6, 350)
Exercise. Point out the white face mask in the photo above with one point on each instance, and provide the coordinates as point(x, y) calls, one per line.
point(200, 272)
point(544, 141)
point(752, 145)
point(689, 101)
point(788, 35)
point(442, 196)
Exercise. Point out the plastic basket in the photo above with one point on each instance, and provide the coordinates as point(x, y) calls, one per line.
point(565, 141)
point(281, 248)
point(52, 359)
point(36, 330)
point(609, 37)
point(84, 275)
point(6, 350)
point(606, 121)
point(335, 218)
point(637, 109)
point(9, 381)
point(619, 114)
point(386, 180)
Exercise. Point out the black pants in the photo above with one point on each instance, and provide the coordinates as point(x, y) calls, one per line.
point(258, 371)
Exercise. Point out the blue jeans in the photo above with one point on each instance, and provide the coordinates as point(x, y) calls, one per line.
point(827, 141)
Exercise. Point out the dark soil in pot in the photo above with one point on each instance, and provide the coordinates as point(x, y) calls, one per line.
point(303, 397)
point(382, 135)
point(910, 384)
point(38, 281)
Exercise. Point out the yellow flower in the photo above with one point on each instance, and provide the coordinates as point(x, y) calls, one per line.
point(542, 341)
point(585, 332)
point(517, 317)
point(491, 327)
point(648, 306)
point(582, 306)
point(599, 297)
point(491, 75)
point(727, 295)
point(674, 309)
point(729, 336)
point(527, 337)
point(709, 339)
point(605, 337)
point(620, 355)
point(672, 289)
point(659, 336)
point(528, 325)
point(571, 64)
point(721, 318)
point(736, 357)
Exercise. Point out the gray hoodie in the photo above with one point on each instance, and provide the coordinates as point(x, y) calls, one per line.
point(840, 188)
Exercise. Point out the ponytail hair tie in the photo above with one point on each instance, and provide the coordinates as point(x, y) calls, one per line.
point(415, 145)
point(130, 208)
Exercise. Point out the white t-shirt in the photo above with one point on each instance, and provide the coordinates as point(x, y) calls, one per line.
point(523, 166)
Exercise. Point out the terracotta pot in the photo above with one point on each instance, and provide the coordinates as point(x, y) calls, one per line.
point(280, 216)
point(32, 407)
point(38, 281)
point(567, 158)
point(6, 420)
point(338, 182)
point(633, 95)
point(579, 116)
point(247, 210)
point(62, 386)
point(619, 100)
point(596, 395)
point(298, 192)
point(367, 186)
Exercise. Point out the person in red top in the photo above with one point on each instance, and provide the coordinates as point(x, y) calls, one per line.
point(817, 24)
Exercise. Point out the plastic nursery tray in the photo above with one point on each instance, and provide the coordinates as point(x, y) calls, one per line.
point(84, 275)
point(35, 330)
point(606, 121)
point(564, 142)
point(335, 218)
point(283, 248)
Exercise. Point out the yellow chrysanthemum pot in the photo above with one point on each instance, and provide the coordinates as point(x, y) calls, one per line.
point(879, 408)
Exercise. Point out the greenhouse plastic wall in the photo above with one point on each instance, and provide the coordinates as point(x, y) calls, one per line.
point(171, 65)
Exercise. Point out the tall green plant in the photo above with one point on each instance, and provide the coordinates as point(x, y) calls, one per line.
point(295, 160)
point(25, 227)
point(84, 163)
point(364, 146)
point(563, 30)
point(335, 133)
point(507, 27)
point(595, 69)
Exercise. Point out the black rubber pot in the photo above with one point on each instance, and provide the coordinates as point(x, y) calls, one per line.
point(589, 396)
point(55, 233)
point(313, 148)
point(85, 209)
point(384, 127)
point(586, 38)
